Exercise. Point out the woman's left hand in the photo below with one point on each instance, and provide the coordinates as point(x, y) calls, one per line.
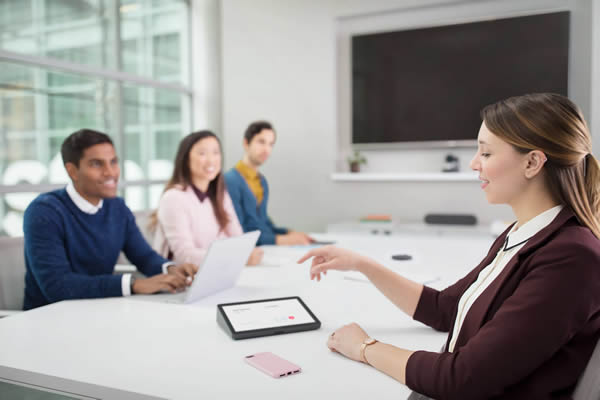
point(256, 256)
point(347, 340)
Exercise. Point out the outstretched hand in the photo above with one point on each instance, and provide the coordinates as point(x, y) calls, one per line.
point(331, 257)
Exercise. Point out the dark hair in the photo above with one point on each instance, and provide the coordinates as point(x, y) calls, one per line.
point(255, 128)
point(182, 176)
point(75, 144)
point(554, 125)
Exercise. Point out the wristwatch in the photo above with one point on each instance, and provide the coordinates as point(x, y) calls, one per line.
point(367, 342)
point(131, 284)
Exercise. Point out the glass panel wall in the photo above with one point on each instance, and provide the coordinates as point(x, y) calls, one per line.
point(155, 38)
point(78, 31)
point(38, 109)
point(120, 67)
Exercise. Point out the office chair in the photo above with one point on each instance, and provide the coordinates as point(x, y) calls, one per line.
point(588, 387)
point(142, 219)
point(12, 276)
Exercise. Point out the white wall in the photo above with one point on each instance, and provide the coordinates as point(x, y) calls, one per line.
point(594, 118)
point(279, 62)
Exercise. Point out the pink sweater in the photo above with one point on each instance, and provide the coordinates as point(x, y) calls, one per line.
point(187, 226)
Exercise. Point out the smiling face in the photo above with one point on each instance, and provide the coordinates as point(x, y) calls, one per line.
point(97, 175)
point(205, 160)
point(260, 147)
point(502, 169)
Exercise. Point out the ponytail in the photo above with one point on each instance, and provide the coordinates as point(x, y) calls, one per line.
point(592, 190)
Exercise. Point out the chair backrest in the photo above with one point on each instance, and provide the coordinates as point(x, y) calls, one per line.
point(12, 273)
point(142, 219)
point(588, 387)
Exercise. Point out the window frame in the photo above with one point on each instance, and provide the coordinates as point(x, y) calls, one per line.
point(120, 79)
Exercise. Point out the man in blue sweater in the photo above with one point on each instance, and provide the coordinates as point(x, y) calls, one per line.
point(249, 191)
point(73, 236)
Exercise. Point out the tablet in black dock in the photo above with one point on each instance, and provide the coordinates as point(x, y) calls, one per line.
point(266, 317)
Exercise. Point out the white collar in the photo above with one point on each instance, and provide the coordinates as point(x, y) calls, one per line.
point(82, 203)
point(532, 227)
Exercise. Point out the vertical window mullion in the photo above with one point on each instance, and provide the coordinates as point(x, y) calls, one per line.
point(119, 103)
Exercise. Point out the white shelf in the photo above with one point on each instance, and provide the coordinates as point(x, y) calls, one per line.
point(411, 177)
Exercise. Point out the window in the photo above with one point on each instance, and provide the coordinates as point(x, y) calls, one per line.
point(118, 66)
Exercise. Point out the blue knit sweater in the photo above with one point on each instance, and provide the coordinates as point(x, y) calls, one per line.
point(251, 215)
point(71, 255)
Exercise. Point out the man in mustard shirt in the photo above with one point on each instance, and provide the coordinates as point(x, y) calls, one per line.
point(249, 190)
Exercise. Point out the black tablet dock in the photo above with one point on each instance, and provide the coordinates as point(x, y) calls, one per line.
point(249, 319)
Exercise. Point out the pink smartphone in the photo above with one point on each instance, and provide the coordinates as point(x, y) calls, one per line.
point(272, 365)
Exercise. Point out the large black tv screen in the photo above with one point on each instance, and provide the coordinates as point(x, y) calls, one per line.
point(428, 85)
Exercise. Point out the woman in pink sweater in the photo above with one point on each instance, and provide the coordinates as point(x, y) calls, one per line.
point(195, 208)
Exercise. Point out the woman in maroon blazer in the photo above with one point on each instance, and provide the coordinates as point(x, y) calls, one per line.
point(523, 324)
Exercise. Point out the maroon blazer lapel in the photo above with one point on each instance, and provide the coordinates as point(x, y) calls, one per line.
point(490, 300)
point(471, 277)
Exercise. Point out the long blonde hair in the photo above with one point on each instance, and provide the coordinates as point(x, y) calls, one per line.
point(554, 125)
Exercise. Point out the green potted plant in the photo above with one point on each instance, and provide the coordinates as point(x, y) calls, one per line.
point(355, 160)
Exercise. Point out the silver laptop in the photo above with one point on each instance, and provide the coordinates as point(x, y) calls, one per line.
point(220, 269)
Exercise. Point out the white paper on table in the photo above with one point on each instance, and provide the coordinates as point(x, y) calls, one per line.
point(235, 294)
point(418, 276)
point(277, 256)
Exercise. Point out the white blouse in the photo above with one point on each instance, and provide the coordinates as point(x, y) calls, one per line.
point(515, 240)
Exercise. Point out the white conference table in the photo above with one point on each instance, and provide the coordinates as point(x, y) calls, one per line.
point(179, 352)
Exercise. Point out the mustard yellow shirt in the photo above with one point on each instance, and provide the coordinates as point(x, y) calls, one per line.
point(252, 178)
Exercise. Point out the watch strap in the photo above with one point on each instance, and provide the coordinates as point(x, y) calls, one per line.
point(367, 342)
point(132, 280)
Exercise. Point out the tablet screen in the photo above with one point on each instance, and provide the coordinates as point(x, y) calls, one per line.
point(267, 314)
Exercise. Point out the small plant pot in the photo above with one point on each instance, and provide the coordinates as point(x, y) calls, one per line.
point(354, 167)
